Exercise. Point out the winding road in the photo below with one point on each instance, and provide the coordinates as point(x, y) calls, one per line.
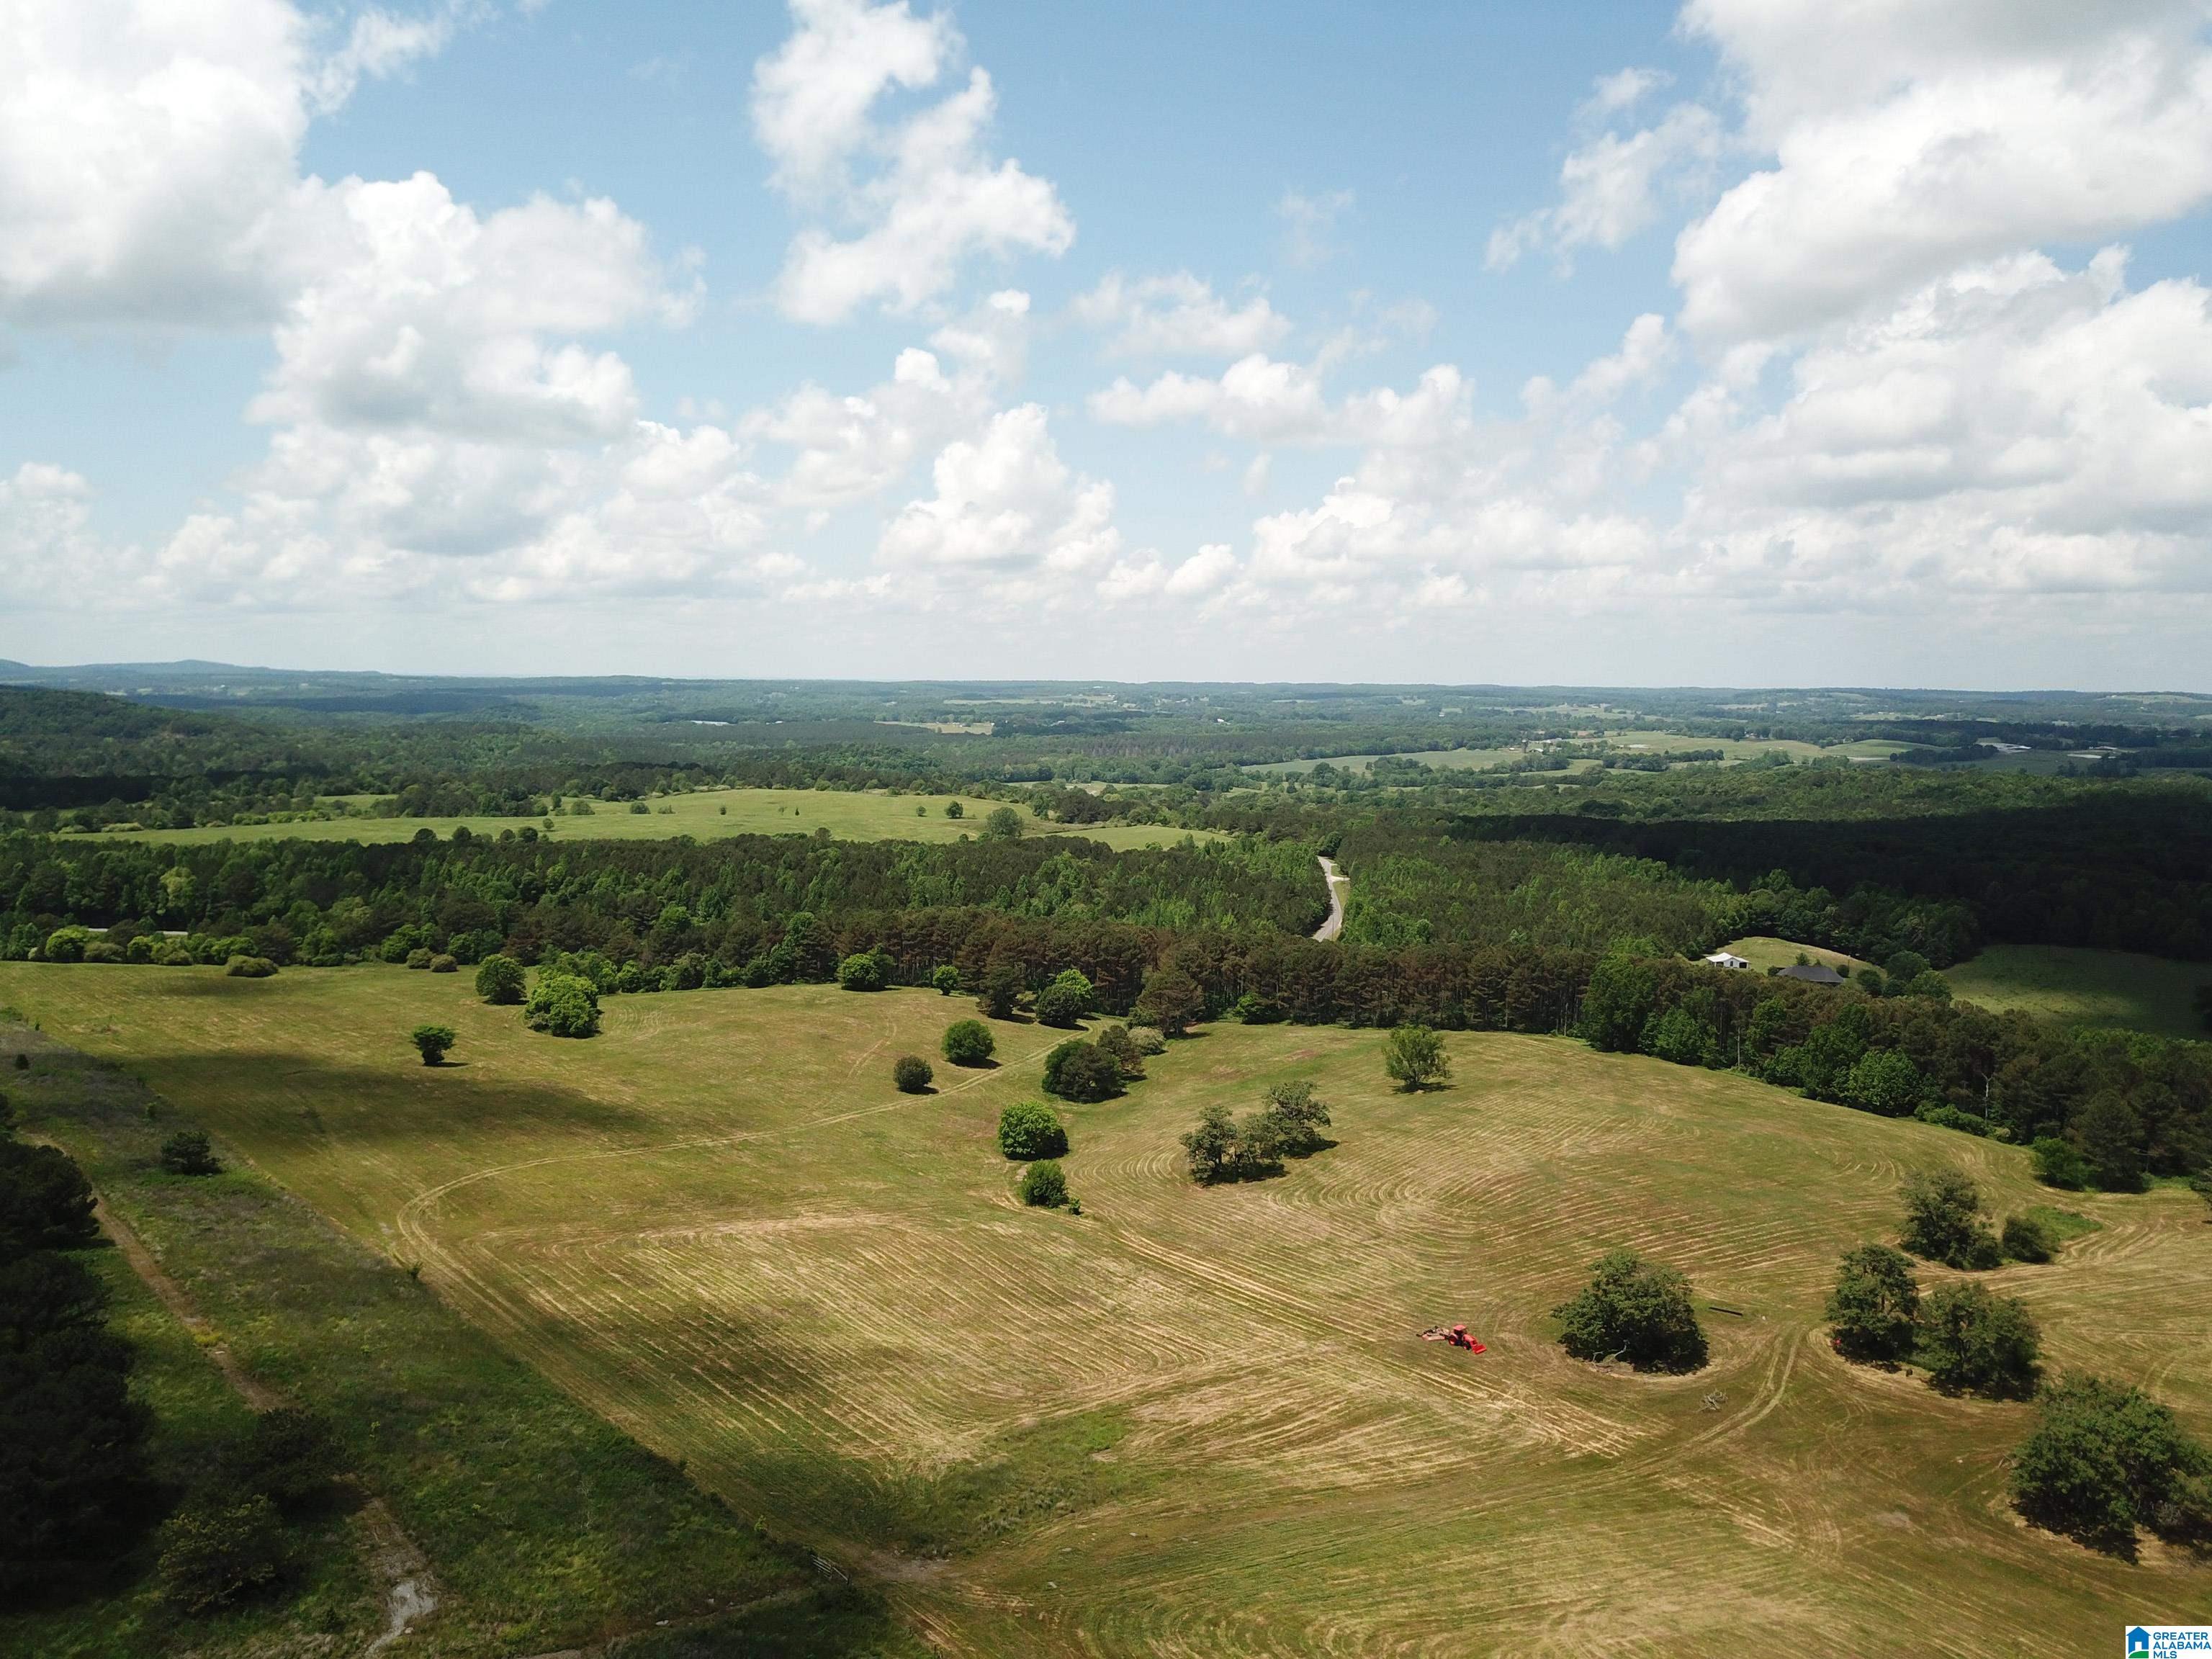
point(1338, 881)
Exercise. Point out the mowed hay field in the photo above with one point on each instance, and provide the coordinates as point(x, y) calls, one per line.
point(1198, 1421)
point(2087, 987)
point(707, 815)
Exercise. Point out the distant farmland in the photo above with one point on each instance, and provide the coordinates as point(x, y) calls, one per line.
point(1197, 1421)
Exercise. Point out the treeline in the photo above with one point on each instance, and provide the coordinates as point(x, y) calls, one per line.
point(325, 902)
point(2126, 1104)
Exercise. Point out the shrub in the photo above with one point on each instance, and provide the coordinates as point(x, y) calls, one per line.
point(1634, 1310)
point(221, 1548)
point(2027, 1239)
point(1943, 1221)
point(1044, 1184)
point(2106, 1459)
point(1973, 1342)
point(911, 1073)
point(1170, 1002)
point(46, 1202)
point(563, 1006)
point(66, 944)
point(500, 981)
point(1081, 1071)
point(1212, 1148)
point(1414, 1057)
point(1067, 1000)
point(865, 971)
point(969, 1043)
point(245, 967)
point(431, 1042)
point(1253, 1009)
point(444, 964)
point(1873, 1310)
point(101, 949)
point(187, 1153)
point(2059, 1163)
point(419, 957)
point(1117, 1045)
point(1147, 1040)
point(945, 979)
point(1030, 1130)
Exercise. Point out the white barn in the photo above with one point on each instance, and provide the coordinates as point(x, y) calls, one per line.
point(1723, 959)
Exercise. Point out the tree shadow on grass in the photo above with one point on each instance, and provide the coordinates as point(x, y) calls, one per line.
point(369, 1103)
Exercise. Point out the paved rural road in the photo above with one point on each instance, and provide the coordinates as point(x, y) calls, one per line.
point(1337, 883)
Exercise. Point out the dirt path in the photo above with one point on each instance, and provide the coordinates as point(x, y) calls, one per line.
point(1338, 883)
point(409, 1592)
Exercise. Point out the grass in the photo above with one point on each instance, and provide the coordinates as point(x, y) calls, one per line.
point(707, 815)
point(1763, 952)
point(1200, 1421)
point(1732, 750)
point(545, 1526)
point(2112, 989)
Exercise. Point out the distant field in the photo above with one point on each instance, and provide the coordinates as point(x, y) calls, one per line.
point(1763, 953)
point(2087, 987)
point(1870, 749)
point(706, 814)
point(1200, 1422)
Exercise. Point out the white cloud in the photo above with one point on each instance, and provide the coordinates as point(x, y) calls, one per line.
point(379, 46)
point(1177, 316)
point(1008, 508)
point(1613, 187)
point(1257, 397)
point(1909, 139)
point(931, 197)
point(1308, 223)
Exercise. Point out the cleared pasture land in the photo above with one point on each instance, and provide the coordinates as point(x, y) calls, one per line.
point(1191, 1421)
point(706, 814)
point(1732, 750)
point(1763, 952)
point(2087, 987)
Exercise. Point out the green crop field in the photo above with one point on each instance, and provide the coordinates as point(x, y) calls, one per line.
point(2087, 987)
point(1193, 1421)
point(706, 814)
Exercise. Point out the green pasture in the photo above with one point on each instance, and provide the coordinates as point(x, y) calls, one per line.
point(1198, 1421)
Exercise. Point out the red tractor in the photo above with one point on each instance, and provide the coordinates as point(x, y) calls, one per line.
point(1457, 1335)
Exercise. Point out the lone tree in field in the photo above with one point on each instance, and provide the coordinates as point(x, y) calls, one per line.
point(1170, 1002)
point(431, 1042)
point(945, 979)
point(1031, 1129)
point(1414, 1056)
point(1067, 1000)
point(1044, 1184)
point(2106, 1459)
point(1873, 1309)
point(187, 1153)
point(563, 1006)
point(1299, 1115)
point(911, 1073)
point(500, 981)
point(1972, 1342)
point(969, 1043)
point(1081, 1071)
point(1943, 1221)
point(1002, 823)
point(953, 809)
point(1636, 1310)
point(865, 971)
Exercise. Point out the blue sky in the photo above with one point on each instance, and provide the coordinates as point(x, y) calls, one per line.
point(1760, 341)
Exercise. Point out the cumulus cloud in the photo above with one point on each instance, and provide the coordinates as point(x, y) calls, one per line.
point(922, 195)
point(1613, 187)
point(1910, 139)
point(1007, 507)
point(1177, 316)
point(1310, 223)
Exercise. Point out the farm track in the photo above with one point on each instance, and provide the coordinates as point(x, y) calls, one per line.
point(730, 1238)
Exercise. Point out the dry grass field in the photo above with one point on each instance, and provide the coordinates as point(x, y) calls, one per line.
point(1190, 1421)
point(706, 814)
point(2087, 987)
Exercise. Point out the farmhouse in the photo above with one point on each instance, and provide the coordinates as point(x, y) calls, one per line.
point(1808, 972)
point(1723, 959)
